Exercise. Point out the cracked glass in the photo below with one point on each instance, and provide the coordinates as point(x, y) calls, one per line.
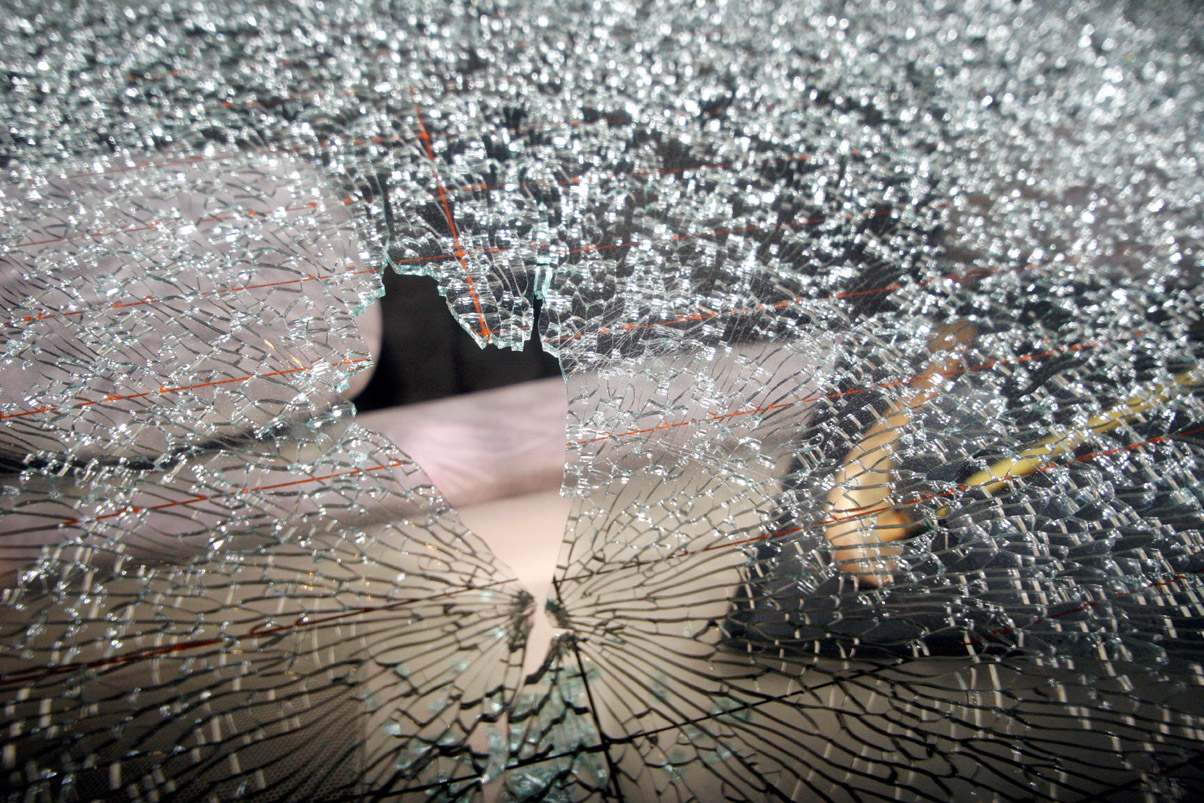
point(878, 328)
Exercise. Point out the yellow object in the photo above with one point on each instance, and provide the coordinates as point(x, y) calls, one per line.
point(1036, 457)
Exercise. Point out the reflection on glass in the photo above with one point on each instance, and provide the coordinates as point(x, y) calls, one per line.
point(880, 335)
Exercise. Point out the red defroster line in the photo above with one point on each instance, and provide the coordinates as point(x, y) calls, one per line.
point(570, 124)
point(567, 125)
point(302, 61)
point(174, 224)
point(241, 104)
point(110, 233)
point(541, 246)
point(301, 623)
point(797, 301)
point(50, 314)
point(1004, 631)
point(668, 171)
point(122, 397)
point(610, 120)
point(203, 498)
point(197, 159)
point(546, 127)
point(46, 672)
point(451, 223)
point(952, 492)
point(258, 631)
point(810, 399)
point(617, 120)
point(185, 161)
point(232, 104)
point(154, 76)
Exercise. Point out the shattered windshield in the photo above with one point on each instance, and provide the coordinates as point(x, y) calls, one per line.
point(877, 327)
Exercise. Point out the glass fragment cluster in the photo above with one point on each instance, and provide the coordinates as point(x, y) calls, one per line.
point(881, 336)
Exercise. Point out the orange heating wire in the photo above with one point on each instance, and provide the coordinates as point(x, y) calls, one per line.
point(198, 498)
point(459, 252)
point(179, 388)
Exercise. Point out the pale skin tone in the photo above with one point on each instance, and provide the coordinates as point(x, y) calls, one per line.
point(862, 519)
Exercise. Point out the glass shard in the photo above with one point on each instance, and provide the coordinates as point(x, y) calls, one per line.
point(881, 338)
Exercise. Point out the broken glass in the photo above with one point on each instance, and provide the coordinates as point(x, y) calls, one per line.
point(880, 336)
